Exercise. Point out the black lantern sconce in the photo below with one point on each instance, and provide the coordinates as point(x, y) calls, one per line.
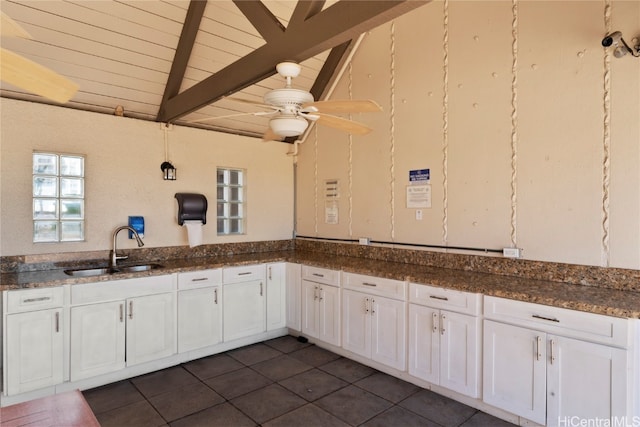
point(169, 171)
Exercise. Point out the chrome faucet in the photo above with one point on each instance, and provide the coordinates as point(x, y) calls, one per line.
point(114, 254)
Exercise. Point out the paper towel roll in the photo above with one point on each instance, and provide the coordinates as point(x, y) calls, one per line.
point(194, 231)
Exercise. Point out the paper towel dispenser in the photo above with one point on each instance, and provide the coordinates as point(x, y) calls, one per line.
point(191, 207)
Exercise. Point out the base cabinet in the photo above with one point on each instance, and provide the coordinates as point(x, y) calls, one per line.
point(34, 350)
point(244, 306)
point(294, 296)
point(321, 304)
point(199, 318)
point(374, 327)
point(276, 295)
point(539, 372)
point(108, 336)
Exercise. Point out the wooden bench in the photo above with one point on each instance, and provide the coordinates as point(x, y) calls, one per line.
point(65, 409)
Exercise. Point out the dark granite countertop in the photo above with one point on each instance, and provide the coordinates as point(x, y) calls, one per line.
point(618, 303)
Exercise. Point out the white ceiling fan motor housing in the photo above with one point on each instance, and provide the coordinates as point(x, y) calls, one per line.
point(288, 98)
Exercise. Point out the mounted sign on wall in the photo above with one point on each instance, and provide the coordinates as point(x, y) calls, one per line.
point(419, 189)
point(331, 196)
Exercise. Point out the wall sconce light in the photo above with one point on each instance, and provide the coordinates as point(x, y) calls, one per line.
point(169, 171)
point(620, 47)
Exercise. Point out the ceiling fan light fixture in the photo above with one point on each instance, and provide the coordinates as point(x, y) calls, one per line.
point(288, 125)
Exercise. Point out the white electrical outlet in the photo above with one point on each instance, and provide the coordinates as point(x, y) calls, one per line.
point(511, 252)
point(364, 241)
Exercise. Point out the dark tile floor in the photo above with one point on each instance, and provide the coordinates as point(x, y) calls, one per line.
point(280, 382)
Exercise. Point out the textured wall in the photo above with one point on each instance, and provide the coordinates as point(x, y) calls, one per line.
point(529, 127)
point(123, 177)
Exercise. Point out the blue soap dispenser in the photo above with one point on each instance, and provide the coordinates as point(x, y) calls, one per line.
point(137, 223)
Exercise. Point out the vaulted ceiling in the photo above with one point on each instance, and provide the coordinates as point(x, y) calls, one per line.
point(177, 61)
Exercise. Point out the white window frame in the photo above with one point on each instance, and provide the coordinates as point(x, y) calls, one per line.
point(231, 203)
point(63, 193)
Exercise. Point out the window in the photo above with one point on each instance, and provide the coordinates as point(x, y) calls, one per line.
point(58, 197)
point(231, 201)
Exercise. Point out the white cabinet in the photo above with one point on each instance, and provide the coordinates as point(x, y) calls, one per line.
point(199, 309)
point(121, 323)
point(244, 306)
point(321, 304)
point(294, 296)
point(276, 295)
point(374, 319)
point(34, 343)
point(549, 364)
point(444, 345)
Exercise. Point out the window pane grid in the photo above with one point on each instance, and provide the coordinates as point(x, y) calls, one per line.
point(230, 201)
point(58, 198)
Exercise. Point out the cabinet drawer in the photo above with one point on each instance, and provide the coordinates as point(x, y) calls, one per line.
point(121, 289)
point(199, 279)
point(321, 275)
point(243, 273)
point(375, 285)
point(19, 301)
point(561, 321)
point(447, 299)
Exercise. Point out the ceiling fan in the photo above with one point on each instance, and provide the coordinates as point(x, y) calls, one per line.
point(293, 109)
point(28, 75)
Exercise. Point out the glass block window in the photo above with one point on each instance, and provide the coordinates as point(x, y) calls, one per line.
point(231, 205)
point(58, 197)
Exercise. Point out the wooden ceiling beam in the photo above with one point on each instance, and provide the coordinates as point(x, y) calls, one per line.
point(343, 21)
point(261, 18)
point(195, 12)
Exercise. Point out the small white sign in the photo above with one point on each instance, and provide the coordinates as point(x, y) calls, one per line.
point(331, 212)
point(419, 196)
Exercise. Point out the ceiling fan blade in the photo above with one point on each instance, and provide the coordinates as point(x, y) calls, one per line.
point(270, 135)
point(345, 106)
point(10, 28)
point(342, 124)
point(259, 113)
point(35, 78)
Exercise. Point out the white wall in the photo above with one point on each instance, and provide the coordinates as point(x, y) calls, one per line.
point(123, 177)
point(546, 159)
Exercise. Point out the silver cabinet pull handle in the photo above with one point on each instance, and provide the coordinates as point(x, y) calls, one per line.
point(373, 306)
point(369, 284)
point(244, 274)
point(551, 345)
point(538, 346)
point(215, 296)
point(440, 298)
point(434, 322)
point(130, 309)
point(317, 274)
point(260, 288)
point(36, 299)
point(57, 321)
point(269, 273)
point(121, 313)
point(442, 319)
point(550, 319)
point(199, 279)
point(321, 293)
point(315, 293)
point(366, 305)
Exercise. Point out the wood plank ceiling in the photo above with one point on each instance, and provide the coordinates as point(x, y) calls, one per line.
point(176, 60)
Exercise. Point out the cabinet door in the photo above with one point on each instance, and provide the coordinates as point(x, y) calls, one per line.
point(243, 309)
point(585, 379)
point(514, 374)
point(329, 319)
point(34, 350)
point(199, 318)
point(459, 353)
point(151, 328)
point(294, 296)
point(97, 339)
point(356, 323)
point(388, 332)
point(276, 296)
point(310, 309)
point(424, 343)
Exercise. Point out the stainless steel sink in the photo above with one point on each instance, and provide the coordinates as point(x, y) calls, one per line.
point(100, 271)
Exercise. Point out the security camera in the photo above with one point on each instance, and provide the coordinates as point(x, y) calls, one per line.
point(613, 38)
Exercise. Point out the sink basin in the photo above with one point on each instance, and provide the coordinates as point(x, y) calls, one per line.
point(100, 271)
